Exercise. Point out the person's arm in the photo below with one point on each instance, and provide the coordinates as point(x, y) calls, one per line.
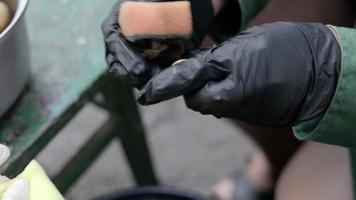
point(277, 74)
point(338, 124)
point(338, 12)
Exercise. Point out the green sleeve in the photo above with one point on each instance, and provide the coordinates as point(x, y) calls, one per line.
point(338, 124)
point(234, 17)
point(249, 9)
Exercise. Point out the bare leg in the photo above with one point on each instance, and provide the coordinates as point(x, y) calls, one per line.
point(278, 146)
point(317, 171)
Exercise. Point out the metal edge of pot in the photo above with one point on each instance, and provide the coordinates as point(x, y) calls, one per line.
point(14, 56)
point(20, 11)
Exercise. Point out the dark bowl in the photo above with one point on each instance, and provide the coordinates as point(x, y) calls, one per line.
point(152, 193)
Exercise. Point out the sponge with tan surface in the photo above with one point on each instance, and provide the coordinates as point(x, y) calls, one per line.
point(165, 31)
point(156, 19)
point(166, 19)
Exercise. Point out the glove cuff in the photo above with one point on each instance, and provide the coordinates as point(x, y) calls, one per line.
point(326, 54)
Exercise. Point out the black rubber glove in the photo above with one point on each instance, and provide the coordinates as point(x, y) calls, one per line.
point(126, 63)
point(276, 74)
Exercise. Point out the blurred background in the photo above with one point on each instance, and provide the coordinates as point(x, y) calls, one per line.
point(189, 150)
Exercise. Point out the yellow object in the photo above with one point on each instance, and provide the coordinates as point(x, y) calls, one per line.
point(172, 18)
point(33, 183)
point(5, 15)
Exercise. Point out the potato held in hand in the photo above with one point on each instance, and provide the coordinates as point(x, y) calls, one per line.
point(4, 16)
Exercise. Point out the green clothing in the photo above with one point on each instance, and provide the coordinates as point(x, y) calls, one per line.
point(249, 9)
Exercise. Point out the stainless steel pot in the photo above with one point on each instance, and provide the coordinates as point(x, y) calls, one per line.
point(14, 55)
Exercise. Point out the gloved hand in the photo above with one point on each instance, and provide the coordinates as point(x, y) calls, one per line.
point(125, 61)
point(276, 74)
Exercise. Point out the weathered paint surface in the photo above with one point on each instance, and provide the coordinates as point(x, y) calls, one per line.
point(67, 60)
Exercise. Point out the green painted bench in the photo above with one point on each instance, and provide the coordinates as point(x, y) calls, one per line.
point(68, 71)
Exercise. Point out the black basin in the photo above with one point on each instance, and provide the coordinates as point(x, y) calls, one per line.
point(152, 193)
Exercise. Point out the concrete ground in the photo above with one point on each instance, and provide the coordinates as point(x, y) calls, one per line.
point(189, 150)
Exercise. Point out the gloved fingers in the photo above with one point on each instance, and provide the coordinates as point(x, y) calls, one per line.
point(128, 64)
point(126, 54)
point(181, 78)
point(110, 23)
point(117, 45)
point(215, 97)
point(116, 68)
point(124, 61)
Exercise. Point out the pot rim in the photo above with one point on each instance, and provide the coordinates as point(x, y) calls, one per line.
point(20, 11)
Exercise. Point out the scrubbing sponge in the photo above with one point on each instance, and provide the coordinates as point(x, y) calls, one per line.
point(165, 31)
point(139, 20)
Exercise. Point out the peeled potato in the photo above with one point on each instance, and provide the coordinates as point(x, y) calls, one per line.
point(4, 15)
